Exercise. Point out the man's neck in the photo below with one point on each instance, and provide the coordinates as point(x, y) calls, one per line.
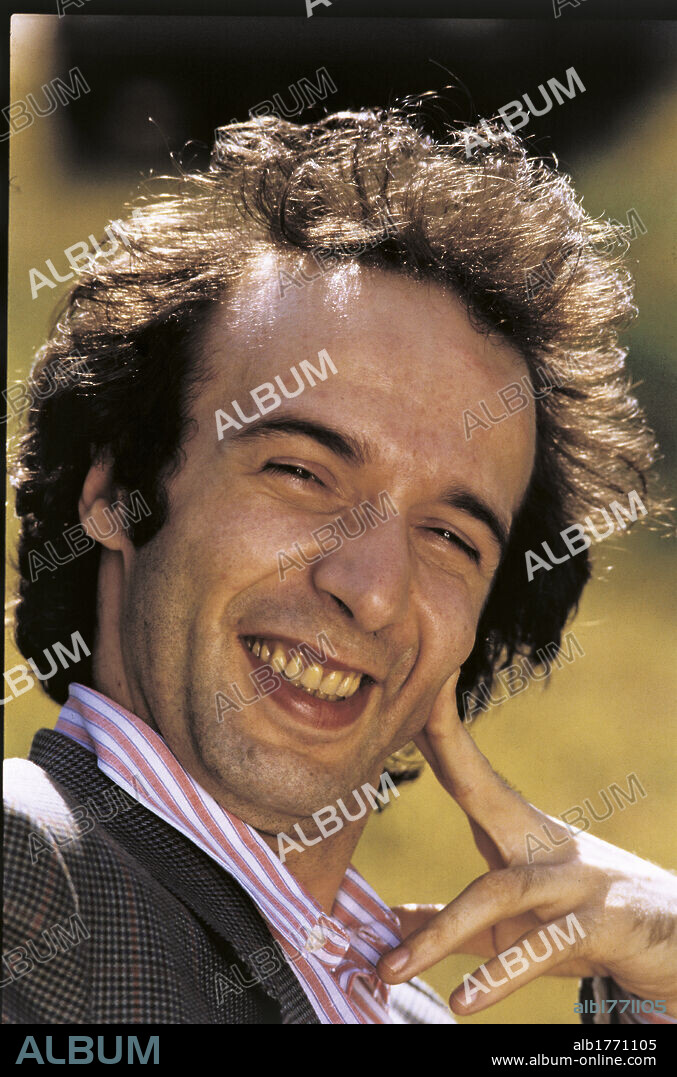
point(320, 868)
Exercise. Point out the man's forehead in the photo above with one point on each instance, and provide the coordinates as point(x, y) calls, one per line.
point(284, 296)
point(410, 365)
point(276, 288)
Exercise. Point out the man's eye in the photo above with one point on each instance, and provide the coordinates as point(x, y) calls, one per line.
point(453, 539)
point(294, 471)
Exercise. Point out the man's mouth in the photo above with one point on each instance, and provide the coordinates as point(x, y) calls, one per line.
point(323, 681)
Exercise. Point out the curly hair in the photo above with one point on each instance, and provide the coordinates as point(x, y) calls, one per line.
point(367, 186)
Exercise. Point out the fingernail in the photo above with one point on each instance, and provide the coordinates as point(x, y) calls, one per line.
point(397, 959)
point(466, 999)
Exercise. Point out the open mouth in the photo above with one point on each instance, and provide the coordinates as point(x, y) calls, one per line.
point(323, 681)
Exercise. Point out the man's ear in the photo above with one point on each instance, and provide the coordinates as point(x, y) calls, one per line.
point(99, 514)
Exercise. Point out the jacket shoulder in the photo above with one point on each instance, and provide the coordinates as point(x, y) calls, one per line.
point(135, 949)
point(44, 930)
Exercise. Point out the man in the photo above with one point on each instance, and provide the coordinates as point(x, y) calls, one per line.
point(288, 338)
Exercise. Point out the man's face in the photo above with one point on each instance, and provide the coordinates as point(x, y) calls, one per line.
point(399, 604)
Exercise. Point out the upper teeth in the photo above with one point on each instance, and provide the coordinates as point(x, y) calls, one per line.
point(329, 684)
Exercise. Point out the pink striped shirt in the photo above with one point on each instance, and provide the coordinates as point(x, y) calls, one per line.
point(337, 954)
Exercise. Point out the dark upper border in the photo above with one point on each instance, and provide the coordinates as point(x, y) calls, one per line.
point(447, 9)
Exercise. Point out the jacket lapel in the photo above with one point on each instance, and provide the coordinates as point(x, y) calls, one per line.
point(180, 866)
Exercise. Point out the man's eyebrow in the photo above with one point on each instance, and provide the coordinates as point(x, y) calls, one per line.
point(353, 450)
point(459, 498)
point(358, 451)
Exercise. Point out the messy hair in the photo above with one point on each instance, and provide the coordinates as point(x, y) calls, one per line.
point(369, 187)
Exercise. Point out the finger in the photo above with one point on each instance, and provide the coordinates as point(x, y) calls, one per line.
point(468, 776)
point(549, 843)
point(483, 944)
point(489, 900)
point(534, 955)
point(413, 917)
point(421, 739)
point(486, 846)
point(553, 841)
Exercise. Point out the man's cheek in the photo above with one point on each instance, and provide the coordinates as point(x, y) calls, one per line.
point(451, 610)
point(242, 551)
point(461, 634)
point(261, 540)
point(414, 722)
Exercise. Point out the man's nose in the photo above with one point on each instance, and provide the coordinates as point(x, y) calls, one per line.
point(370, 575)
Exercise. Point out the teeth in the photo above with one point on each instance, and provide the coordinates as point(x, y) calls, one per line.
point(331, 682)
point(332, 686)
point(345, 685)
point(279, 659)
point(312, 677)
point(294, 668)
point(355, 685)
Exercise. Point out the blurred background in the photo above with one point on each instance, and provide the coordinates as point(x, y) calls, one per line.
point(608, 714)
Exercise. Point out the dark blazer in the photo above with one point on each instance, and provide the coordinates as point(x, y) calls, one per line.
point(113, 916)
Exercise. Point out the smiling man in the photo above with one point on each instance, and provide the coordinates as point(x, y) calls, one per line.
point(237, 704)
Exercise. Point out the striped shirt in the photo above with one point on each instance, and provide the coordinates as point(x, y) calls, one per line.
point(333, 957)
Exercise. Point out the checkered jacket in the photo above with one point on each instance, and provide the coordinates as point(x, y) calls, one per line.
point(113, 916)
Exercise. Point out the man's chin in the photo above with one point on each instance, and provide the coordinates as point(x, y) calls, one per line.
point(275, 787)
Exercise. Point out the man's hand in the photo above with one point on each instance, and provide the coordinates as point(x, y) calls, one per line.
point(625, 906)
